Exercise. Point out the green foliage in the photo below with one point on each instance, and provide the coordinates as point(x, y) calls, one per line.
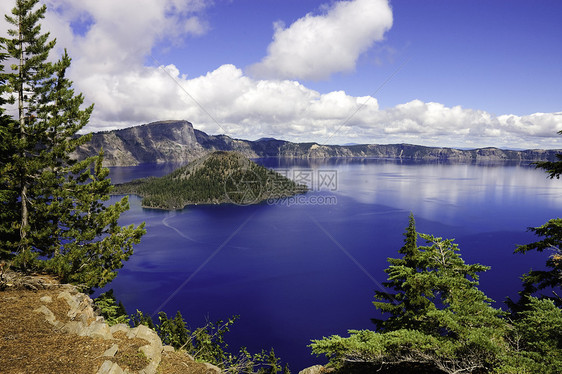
point(139, 318)
point(553, 168)
point(439, 319)
point(390, 347)
point(536, 334)
point(207, 344)
point(222, 177)
point(535, 280)
point(53, 216)
point(550, 235)
point(112, 311)
point(408, 302)
point(536, 340)
point(440, 322)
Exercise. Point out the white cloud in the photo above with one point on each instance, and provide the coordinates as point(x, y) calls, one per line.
point(109, 69)
point(121, 33)
point(247, 108)
point(316, 46)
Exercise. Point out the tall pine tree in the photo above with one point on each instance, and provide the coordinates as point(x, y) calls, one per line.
point(408, 302)
point(8, 215)
point(438, 318)
point(60, 215)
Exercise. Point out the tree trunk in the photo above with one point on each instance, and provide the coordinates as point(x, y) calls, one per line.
point(23, 186)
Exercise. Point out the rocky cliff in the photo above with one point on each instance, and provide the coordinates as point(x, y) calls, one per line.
point(178, 141)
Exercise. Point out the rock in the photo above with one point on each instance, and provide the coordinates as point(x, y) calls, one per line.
point(46, 299)
point(109, 367)
point(73, 327)
point(152, 352)
point(146, 333)
point(316, 369)
point(168, 348)
point(97, 330)
point(120, 327)
point(210, 368)
point(178, 141)
point(111, 351)
point(71, 301)
point(49, 316)
point(151, 368)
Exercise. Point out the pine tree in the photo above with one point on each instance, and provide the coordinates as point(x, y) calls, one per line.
point(439, 319)
point(61, 215)
point(408, 302)
point(8, 197)
point(550, 235)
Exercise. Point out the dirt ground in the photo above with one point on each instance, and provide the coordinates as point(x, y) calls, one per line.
point(29, 344)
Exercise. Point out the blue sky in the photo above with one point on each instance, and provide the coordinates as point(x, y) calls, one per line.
point(464, 73)
point(497, 55)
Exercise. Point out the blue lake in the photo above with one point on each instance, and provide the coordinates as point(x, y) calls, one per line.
point(300, 271)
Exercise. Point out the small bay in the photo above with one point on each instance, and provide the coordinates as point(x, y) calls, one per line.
point(300, 270)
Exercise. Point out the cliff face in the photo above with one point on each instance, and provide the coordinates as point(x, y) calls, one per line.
point(178, 141)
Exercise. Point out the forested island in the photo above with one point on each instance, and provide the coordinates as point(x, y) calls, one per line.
point(218, 178)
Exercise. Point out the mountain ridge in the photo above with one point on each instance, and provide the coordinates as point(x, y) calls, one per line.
point(178, 141)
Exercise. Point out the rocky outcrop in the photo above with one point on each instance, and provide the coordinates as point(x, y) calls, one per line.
point(178, 141)
point(316, 369)
point(48, 327)
point(83, 321)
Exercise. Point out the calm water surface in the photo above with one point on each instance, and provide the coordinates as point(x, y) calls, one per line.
point(296, 272)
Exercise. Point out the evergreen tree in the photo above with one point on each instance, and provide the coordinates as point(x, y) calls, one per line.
point(550, 235)
point(439, 319)
point(408, 301)
point(536, 339)
point(112, 311)
point(535, 280)
point(8, 197)
point(54, 206)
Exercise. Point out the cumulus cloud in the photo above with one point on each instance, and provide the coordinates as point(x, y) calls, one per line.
point(316, 46)
point(244, 107)
point(113, 40)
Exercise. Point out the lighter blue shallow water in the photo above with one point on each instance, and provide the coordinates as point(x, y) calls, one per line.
point(296, 272)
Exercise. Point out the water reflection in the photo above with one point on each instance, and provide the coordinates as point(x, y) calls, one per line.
point(431, 188)
point(442, 191)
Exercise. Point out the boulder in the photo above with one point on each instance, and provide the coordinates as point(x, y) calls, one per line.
point(111, 352)
point(49, 316)
point(109, 367)
point(71, 301)
point(316, 369)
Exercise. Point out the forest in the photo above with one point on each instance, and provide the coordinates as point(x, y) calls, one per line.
point(218, 178)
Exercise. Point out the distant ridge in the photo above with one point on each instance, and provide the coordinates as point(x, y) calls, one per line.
point(178, 141)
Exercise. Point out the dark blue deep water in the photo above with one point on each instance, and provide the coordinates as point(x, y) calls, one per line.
point(299, 271)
